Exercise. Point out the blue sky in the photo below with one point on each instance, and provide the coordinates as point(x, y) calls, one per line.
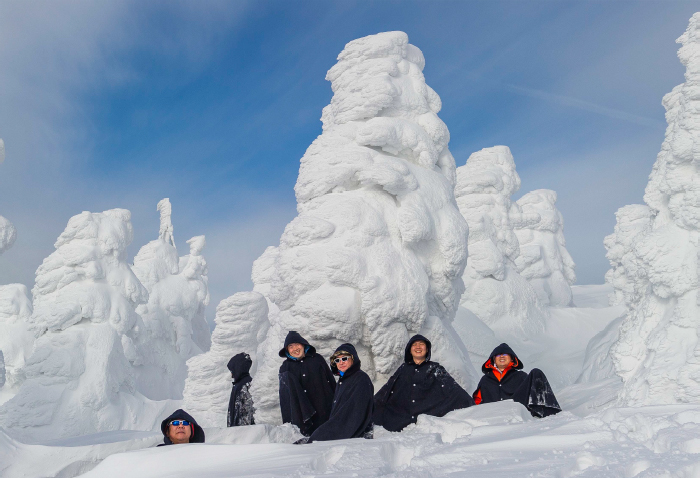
point(212, 104)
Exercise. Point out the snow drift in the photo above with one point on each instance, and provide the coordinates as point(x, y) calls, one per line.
point(495, 292)
point(655, 254)
point(544, 260)
point(378, 248)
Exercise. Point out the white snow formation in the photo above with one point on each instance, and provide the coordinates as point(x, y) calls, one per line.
point(241, 324)
point(655, 255)
point(2, 151)
point(495, 292)
point(378, 248)
point(8, 234)
point(16, 340)
point(174, 328)
point(544, 260)
point(78, 379)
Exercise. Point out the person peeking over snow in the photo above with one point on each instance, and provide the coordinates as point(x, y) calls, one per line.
point(504, 380)
point(351, 416)
point(418, 387)
point(306, 385)
point(181, 428)
point(240, 405)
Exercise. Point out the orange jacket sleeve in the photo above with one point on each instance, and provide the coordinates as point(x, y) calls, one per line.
point(477, 396)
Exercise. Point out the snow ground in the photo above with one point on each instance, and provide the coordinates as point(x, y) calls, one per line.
point(495, 440)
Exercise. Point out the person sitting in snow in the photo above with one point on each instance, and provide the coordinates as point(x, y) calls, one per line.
point(181, 428)
point(504, 380)
point(419, 386)
point(306, 385)
point(351, 416)
point(240, 405)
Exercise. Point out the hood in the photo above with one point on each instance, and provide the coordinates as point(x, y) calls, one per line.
point(293, 337)
point(407, 357)
point(502, 349)
point(180, 414)
point(239, 365)
point(356, 364)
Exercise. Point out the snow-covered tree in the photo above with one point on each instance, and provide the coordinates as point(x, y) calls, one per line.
point(8, 234)
point(16, 340)
point(241, 324)
point(543, 259)
point(657, 353)
point(78, 379)
point(495, 292)
point(174, 327)
point(378, 248)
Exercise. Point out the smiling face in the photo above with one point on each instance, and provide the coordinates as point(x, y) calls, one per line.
point(296, 350)
point(419, 350)
point(344, 365)
point(502, 361)
point(179, 434)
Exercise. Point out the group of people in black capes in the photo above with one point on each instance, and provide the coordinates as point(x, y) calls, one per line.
point(325, 409)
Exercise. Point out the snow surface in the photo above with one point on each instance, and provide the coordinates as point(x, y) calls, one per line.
point(495, 292)
point(378, 248)
point(655, 255)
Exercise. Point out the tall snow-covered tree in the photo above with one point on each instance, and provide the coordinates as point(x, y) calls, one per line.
point(378, 248)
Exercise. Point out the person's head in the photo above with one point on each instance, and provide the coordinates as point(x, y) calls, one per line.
point(419, 350)
point(180, 431)
point(296, 350)
point(502, 360)
point(343, 361)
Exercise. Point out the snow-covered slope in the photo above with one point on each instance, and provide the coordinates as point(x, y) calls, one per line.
point(378, 248)
point(655, 257)
point(495, 292)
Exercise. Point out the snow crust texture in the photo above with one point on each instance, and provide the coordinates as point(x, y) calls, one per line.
point(655, 254)
point(378, 248)
point(495, 291)
point(241, 324)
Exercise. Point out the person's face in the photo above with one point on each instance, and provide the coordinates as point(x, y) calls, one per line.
point(419, 350)
point(502, 361)
point(343, 365)
point(179, 434)
point(296, 350)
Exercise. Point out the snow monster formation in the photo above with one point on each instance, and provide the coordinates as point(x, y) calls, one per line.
point(495, 291)
point(241, 324)
point(8, 234)
point(378, 248)
point(78, 379)
point(174, 327)
point(657, 353)
point(544, 260)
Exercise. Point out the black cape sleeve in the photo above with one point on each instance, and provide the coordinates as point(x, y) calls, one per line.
point(295, 405)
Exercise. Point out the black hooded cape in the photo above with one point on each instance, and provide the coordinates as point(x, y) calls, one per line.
point(532, 390)
point(351, 416)
point(240, 405)
point(179, 414)
point(306, 387)
point(417, 389)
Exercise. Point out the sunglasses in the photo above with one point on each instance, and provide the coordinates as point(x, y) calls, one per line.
point(341, 359)
point(177, 423)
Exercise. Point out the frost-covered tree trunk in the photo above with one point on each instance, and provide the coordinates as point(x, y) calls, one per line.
point(174, 326)
point(544, 260)
point(495, 292)
point(241, 324)
point(658, 350)
point(378, 248)
point(78, 379)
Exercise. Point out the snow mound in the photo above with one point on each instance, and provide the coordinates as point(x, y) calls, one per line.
point(174, 328)
point(654, 253)
point(544, 260)
point(16, 340)
point(495, 291)
point(378, 248)
point(78, 378)
point(241, 323)
point(8, 234)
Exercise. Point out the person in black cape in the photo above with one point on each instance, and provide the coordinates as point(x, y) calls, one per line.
point(419, 386)
point(351, 416)
point(504, 380)
point(180, 428)
point(306, 385)
point(240, 405)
